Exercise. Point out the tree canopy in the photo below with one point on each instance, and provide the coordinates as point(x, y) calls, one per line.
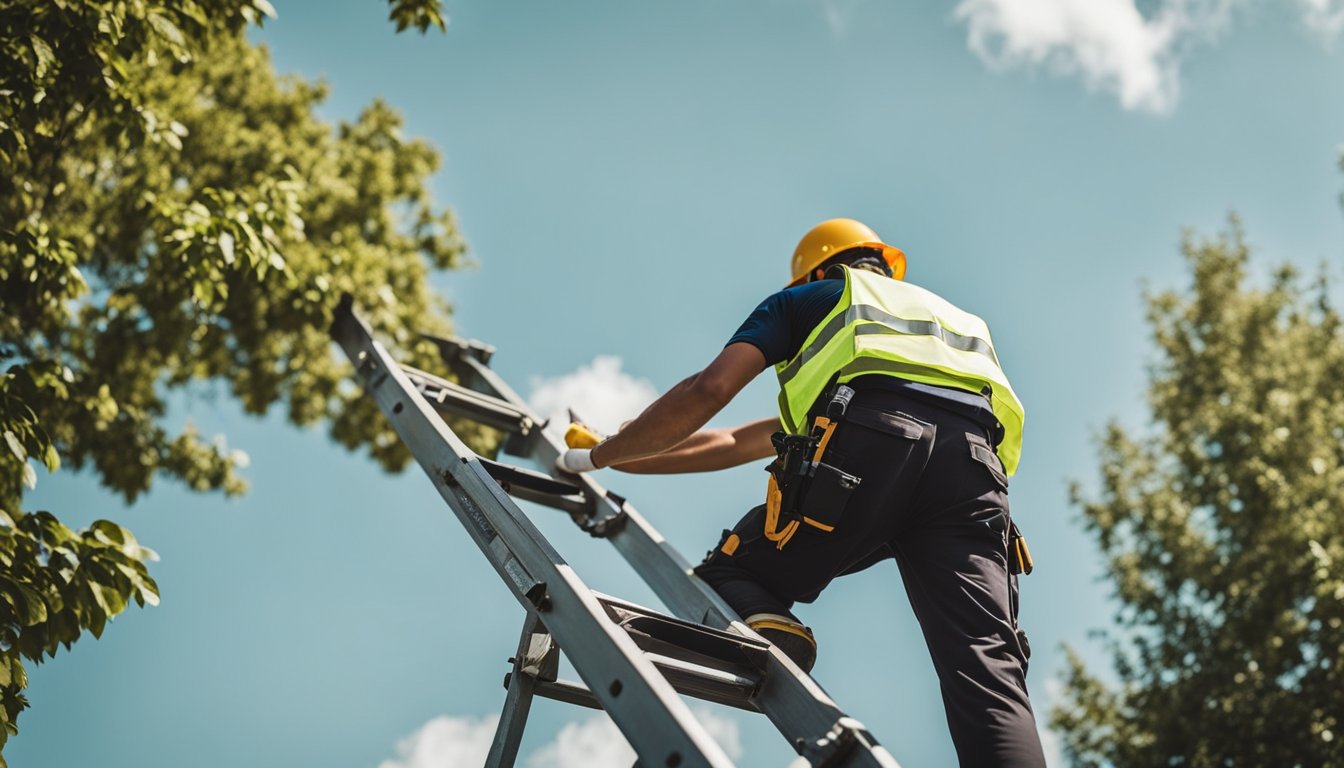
point(1223, 533)
point(173, 213)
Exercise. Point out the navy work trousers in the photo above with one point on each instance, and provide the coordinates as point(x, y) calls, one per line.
point(933, 496)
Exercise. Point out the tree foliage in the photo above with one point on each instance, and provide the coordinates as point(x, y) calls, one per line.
point(1223, 534)
point(173, 214)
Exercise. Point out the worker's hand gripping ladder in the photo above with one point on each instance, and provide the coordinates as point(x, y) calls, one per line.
point(633, 660)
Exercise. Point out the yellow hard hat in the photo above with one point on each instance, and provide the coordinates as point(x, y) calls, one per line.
point(834, 236)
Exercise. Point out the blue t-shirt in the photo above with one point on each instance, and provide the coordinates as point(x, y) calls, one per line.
point(780, 324)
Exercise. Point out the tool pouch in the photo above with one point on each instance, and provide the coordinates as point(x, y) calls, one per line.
point(828, 493)
point(816, 499)
point(804, 490)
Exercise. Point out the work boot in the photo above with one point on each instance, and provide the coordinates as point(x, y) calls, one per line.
point(794, 639)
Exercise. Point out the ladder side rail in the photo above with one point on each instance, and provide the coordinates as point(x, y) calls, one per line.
point(642, 703)
point(517, 703)
point(790, 698)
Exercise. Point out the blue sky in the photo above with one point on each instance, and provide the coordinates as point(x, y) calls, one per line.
point(632, 178)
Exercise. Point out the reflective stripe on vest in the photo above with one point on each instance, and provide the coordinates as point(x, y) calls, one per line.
point(887, 327)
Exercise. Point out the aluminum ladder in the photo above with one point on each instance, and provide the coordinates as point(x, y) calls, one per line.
point(634, 662)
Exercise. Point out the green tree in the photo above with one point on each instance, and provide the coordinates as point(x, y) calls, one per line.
point(1223, 533)
point(173, 214)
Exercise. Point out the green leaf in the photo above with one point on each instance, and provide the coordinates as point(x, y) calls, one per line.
point(108, 533)
point(29, 476)
point(28, 604)
point(165, 27)
point(15, 446)
point(265, 7)
point(17, 673)
point(44, 55)
point(226, 247)
point(51, 458)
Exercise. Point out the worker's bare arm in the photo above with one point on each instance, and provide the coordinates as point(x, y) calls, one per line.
point(710, 449)
point(683, 409)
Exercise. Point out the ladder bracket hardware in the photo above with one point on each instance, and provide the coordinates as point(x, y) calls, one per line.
point(541, 659)
point(538, 596)
point(454, 349)
point(830, 749)
point(609, 525)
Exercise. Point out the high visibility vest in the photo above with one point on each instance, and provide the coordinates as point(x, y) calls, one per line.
point(888, 327)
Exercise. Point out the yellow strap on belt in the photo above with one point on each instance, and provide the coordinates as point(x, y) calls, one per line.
point(773, 497)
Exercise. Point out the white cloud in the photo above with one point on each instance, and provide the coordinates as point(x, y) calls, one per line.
point(594, 743)
point(598, 743)
point(1325, 17)
point(453, 742)
point(1110, 44)
point(601, 394)
point(446, 742)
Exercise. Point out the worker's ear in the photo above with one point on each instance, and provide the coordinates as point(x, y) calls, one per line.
point(818, 274)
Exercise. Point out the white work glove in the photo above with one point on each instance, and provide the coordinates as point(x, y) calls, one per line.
point(575, 460)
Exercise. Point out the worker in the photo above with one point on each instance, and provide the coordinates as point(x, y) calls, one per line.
point(897, 433)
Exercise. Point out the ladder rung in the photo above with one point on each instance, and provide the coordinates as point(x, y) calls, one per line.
point(707, 683)
point(692, 680)
point(695, 643)
point(533, 486)
point(564, 690)
point(458, 400)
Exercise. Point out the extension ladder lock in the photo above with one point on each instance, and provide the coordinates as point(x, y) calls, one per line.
point(635, 662)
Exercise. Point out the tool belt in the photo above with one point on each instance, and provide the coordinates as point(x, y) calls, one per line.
point(798, 466)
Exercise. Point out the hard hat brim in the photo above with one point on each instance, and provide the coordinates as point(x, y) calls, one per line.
point(894, 257)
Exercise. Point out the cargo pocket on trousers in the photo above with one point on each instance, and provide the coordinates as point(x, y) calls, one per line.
point(985, 455)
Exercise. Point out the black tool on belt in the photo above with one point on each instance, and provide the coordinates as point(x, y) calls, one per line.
point(798, 457)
